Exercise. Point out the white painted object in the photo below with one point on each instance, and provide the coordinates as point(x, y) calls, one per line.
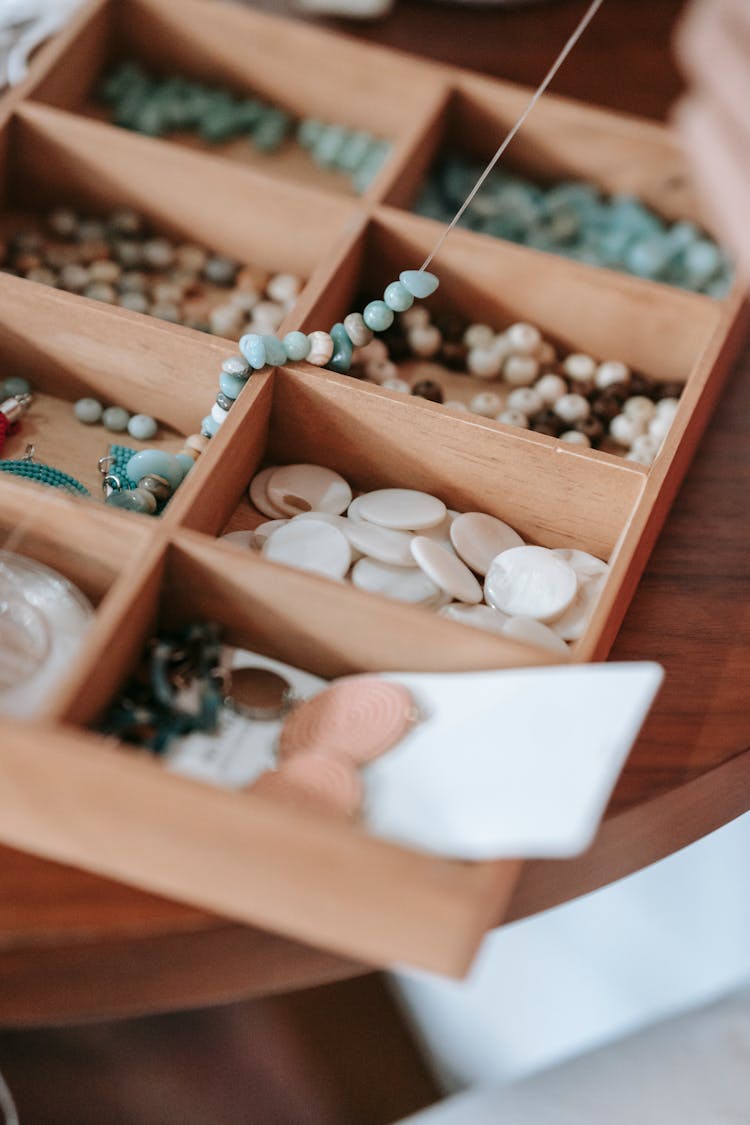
point(530, 582)
point(479, 538)
point(404, 509)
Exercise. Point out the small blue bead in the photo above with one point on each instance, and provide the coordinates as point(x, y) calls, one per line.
point(398, 297)
point(88, 410)
point(155, 462)
point(378, 316)
point(254, 350)
point(16, 385)
point(420, 283)
point(297, 346)
point(116, 418)
point(142, 427)
point(231, 385)
point(209, 426)
point(341, 360)
point(186, 462)
point(129, 501)
point(275, 350)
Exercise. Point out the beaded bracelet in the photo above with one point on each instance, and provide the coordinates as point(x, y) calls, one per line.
point(32, 470)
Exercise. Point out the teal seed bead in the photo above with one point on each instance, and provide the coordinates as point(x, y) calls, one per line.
point(275, 350)
point(116, 418)
point(419, 283)
point(297, 346)
point(133, 500)
point(209, 426)
point(16, 385)
point(247, 114)
point(378, 316)
point(88, 411)
point(354, 150)
point(186, 463)
point(398, 297)
point(271, 130)
point(155, 462)
point(253, 349)
point(309, 132)
point(230, 385)
point(341, 360)
point(142, 427)
point(329, 144)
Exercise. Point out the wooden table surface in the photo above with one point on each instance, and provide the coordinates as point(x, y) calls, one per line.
point(74, 946)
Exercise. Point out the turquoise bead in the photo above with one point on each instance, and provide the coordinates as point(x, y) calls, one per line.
point(132, 500)
point(702, 261)
point(253, 349)
point(209, 426)
point(116, 418)
point(186, 463)
point(398, 297)
point(275, 350)
point(88, 411)
point(230, 385)
point(309, 131)
point(16, 385)
point(341, 360)
point(354, 150)
point(370, 166)
point(297, 346)
point(420, 283)
point(329, 144)
point(155, 462)
point(378, 316)
point(142, 427)
point(271, 130)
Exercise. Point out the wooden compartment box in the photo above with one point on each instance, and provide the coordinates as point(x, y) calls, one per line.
point(77, 797)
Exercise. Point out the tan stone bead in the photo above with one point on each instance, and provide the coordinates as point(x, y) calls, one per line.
point(197, 442)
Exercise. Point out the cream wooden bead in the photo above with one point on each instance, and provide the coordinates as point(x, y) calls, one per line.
point(321, 348)
point(396, 385)
point(381, 370)
point(479, 336)
point(658, 427)
point(486, 403)
point(526, 399)
point(513, 418)
point(575, 437)
point(644, 448)
point(667, 408)
point(454, 404)
point(415, 317)
point(484, 362)
point(283, 287)
point(520, 370)
point(524, 339)
point(610, 373)
point(578, 366)
point(640, 408)
point(551, 388)
point(375, 350)
point(572, 408)
point(625, 430)
point(425, 341)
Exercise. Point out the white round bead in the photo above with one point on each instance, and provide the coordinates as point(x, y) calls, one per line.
point(625, 430)
point(479, 336)
point(645, 447)
point(454, 404)
point(611, 372)
point(397, 385)
point(321, 348)
point(524, 339)
point(520, 370)
point(484, 362)
point(381, 371)
point(639, 408)
point(268, 312)
point(658, 427)
point(425, 341)
point(526, 399)
point(667, 408)
point(283, 287)
point(574, 437)
point(501, 346)
point(486, 403)
point(551, 388)
point(415, 317)
point(513, 418)
point(218, 413)
point(572, 408)
point(579, 366)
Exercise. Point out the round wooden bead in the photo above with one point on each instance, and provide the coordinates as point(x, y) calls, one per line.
point(486, 403)
point(526, 399)
point(609, 372)
point(357, 330)
point(425, 341)
point(512, 418)
point(551, 388)
point(578, 366)
point(572, 408)
point(479, 336)
point(416, 317)
point(639, 408)
point(625, 430)
point(524, 339)
point(520, 370)
point(321, 348)
point(575, 437)
point(484, 362)
point(428, 389)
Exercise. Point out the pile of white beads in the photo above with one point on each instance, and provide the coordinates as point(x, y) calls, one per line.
point(405, 544)
point(574, 398)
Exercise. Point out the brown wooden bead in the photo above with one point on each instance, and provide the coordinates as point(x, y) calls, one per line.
point(429, 389)
point(592, 427)
point(670, 389)
point(547, 422)
point(606, 406)
point(453, 354)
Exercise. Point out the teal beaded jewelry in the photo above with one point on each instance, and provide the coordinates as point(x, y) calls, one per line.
point(32, 470)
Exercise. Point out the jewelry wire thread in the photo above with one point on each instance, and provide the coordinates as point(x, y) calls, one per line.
point(585, 21)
